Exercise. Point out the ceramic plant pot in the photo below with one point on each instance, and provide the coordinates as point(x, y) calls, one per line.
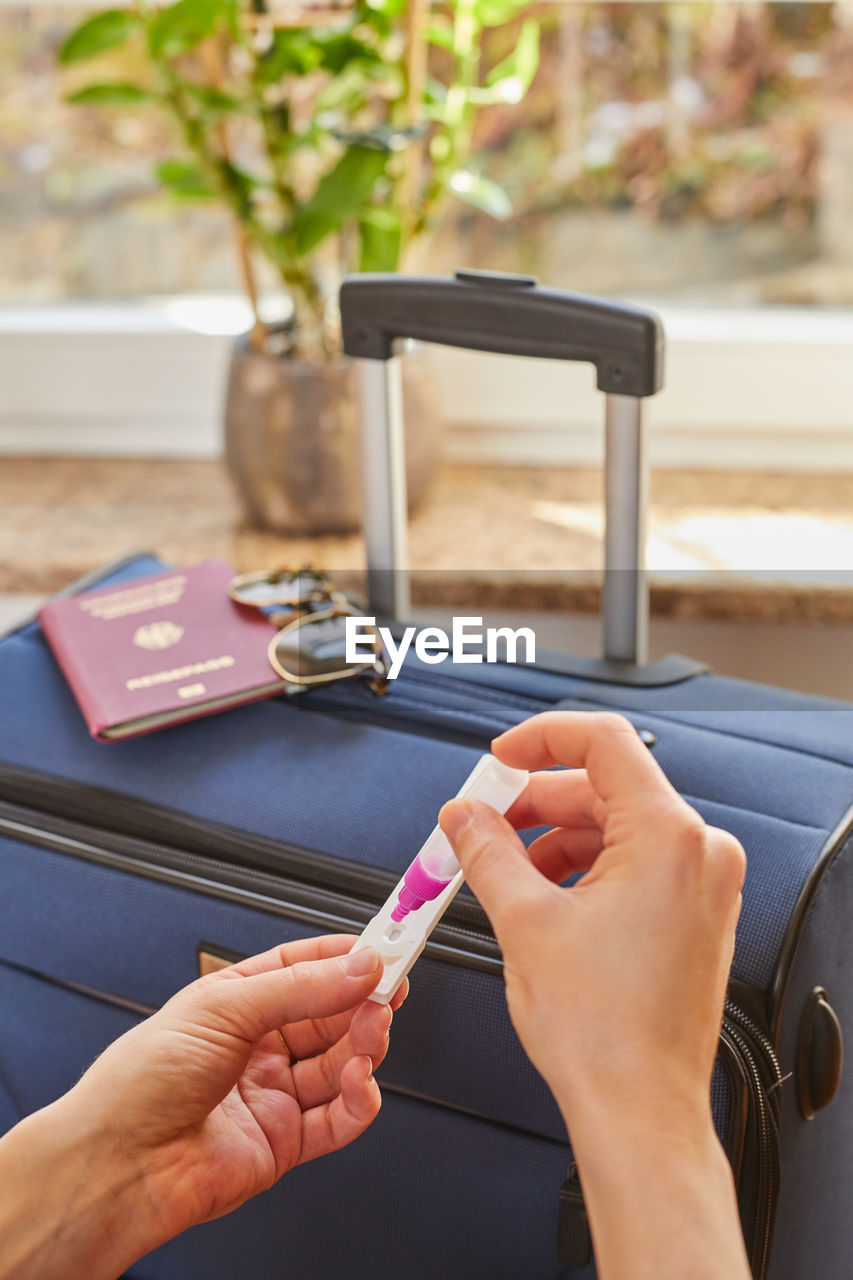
point(292, 439)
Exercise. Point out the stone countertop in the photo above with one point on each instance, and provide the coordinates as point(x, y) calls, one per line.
point(722, 545)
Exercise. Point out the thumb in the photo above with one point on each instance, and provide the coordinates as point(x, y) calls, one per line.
point(494, 860)
point(249, 1007)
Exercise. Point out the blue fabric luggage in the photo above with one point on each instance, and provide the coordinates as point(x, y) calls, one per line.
point(120, 864)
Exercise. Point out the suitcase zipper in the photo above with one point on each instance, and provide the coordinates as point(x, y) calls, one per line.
point(139, 837)
point(757, 1057)
point(429, 704)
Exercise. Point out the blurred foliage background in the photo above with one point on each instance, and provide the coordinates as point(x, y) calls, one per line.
point(333, 136)
point(686, 150)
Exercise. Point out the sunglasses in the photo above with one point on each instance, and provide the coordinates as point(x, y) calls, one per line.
point(311, 612)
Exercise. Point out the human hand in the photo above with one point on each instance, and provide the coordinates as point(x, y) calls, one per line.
point(616, 985)
point(620, 980)
point(202, 1106)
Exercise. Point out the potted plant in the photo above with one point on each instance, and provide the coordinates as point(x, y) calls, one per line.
point(334, 133)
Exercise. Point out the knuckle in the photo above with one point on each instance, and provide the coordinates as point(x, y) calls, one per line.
point(711, 853)
point(611, 722)
point(544, 718)
point(331, 1128)
point(731, 859)
point(304, 976)
point(204, 991)
point(207, 1001)
point(331, 1076)
point(692, 835)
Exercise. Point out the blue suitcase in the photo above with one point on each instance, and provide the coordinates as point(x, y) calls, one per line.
point(120, 866)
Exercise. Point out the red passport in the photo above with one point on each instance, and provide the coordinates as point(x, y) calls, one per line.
point(160, 649)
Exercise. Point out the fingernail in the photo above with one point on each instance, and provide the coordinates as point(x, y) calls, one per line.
point(389, 1014)
point(455, 815)
point(359, 963)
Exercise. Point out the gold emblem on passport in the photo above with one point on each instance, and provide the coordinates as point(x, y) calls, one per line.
point(158, 635)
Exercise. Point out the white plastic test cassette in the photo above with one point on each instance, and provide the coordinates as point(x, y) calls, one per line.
point(400, 929)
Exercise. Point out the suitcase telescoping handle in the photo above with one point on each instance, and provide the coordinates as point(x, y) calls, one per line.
point(511, 315)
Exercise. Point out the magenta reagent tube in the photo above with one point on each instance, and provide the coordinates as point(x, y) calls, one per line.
point(435, 865)
point(427, 876)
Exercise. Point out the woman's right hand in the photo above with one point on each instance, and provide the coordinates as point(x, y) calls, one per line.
point(615, 985)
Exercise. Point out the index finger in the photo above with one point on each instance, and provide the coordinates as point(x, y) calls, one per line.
point(323, 948)
point(617, 763)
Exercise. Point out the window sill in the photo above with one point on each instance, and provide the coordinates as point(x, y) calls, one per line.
point(748, 389)
point(749, 546)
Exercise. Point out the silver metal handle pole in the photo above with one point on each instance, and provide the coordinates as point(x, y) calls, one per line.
point(625, 604)
point(383, 485)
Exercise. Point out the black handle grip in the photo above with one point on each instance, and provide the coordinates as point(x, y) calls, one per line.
point(510, 315)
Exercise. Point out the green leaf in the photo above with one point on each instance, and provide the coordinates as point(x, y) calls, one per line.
point(434, 90)
point(291, 53)
point(439, 35)
point(482, 193)
point(182, 26)
point(494, 13)
point(345, 95)
point(393, 8)
point(184, 179)
point(511, 79)
point(241, 183)
point(104, 31)
point(340, 50)
point(380, 16)
point(112, 95)
point(380, 236)
point(213, 99)
point(340, 195)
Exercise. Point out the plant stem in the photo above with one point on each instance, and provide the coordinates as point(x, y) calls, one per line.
point(210, 52)
point(458, 123)
point(258, 333)
point(416, 72)
point(305, 292)
point(307, 299)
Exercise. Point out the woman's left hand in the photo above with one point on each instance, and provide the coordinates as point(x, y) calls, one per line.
point(242, 1075)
